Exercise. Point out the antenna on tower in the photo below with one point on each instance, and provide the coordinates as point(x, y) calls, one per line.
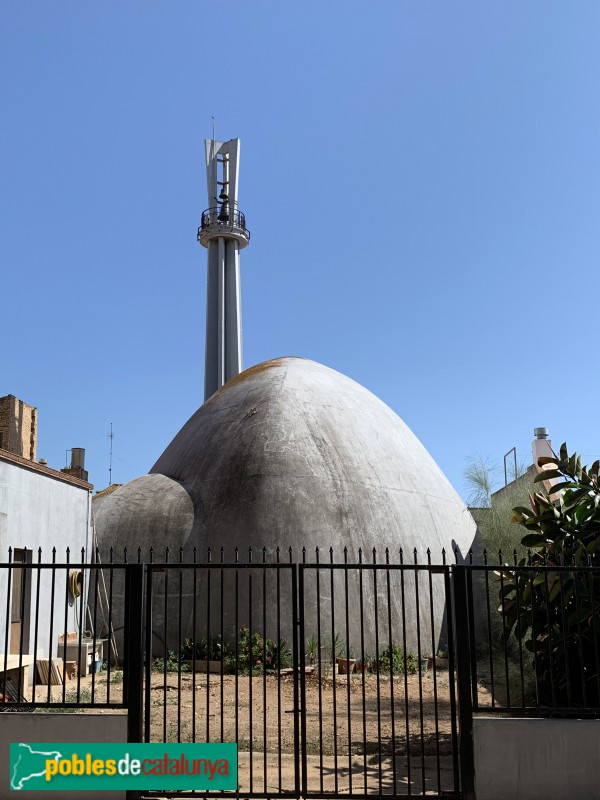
point(213, 119)
point(111, 436)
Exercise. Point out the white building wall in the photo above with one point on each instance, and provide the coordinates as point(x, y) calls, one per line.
point(40, 510)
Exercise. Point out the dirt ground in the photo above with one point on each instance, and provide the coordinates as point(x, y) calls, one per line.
point(368, 733)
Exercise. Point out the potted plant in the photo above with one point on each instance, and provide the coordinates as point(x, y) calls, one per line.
point(346, 662)
point(364, 664)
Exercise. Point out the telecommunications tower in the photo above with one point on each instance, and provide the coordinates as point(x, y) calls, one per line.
point(223, 232)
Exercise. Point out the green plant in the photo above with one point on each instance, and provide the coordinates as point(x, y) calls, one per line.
point(312, 649)
point(172, 663)
point(334, 648)
point(394, 658)
point(211, 648)
point(256, 654)
point(554, 613)
point(116, 676)
point(85, 696)
point(493, 509)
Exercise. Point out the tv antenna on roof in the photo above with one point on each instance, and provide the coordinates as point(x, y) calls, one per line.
point(111, 436)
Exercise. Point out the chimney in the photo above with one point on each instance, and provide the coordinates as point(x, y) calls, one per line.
point(77, 469)
point(542, 446)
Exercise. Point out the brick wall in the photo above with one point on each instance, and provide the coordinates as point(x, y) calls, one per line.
point(18, 427)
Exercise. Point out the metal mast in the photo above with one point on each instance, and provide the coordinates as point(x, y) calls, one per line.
point(223, 232)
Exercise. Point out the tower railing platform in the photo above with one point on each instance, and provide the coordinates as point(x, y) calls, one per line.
point(222, 218)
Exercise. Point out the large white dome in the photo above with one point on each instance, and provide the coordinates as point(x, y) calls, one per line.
point(291, 454)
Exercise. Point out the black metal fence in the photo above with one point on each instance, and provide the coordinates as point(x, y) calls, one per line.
point(221, 664)
point(58, 633)
point(534, 638)
point(354, 677)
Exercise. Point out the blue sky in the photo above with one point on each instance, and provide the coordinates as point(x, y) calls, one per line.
point(422, 183)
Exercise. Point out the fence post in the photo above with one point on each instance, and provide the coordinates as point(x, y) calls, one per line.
point(134, 655)
point(463, 674)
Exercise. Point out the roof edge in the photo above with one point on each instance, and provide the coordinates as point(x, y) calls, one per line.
point(33, 466)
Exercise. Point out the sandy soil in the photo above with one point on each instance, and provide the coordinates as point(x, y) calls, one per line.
point(363, 733)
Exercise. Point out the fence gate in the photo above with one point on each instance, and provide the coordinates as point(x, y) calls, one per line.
point(245, 691)
point(377, 681)
point(334, 679)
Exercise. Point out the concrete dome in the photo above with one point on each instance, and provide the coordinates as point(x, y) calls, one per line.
point(292, 454)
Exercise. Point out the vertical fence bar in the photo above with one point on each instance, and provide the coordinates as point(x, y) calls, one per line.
point(37, 620)
point(435, 681)
point(465, 700)
point(208, 637)
point(279, 765)
point(194, 635)
point(179, 635)
point(517, 582)
point(376, 614)
point(221, 642)
point(24, 573)
point(64, 654)
point(296, 664)
point(134, 603)
point(95, 632)
point(361, 600)
point(250, 668)
point(420, 672)
point(80, 635)
point(7, 629)
point(320, 670)
point(51, 629)
point(594, 627)
point(392, 654)
point(165, 649)
point(406, 704)
point(489, 633)
point(134, 592)
point(472, 630)
point(334, 646)
point(504, 641)
point(237, 650)
point(264, 666)
point(111, 650)
point(349, 668)
point(563, 627)
point(451, 677)
point(148, 663)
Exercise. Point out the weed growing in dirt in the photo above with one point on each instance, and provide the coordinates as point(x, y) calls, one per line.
point(171, 664)
point(257, 655)
point(210, 649)
point(394, 658)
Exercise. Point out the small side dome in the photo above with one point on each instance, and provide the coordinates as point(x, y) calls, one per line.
point(151, 511)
